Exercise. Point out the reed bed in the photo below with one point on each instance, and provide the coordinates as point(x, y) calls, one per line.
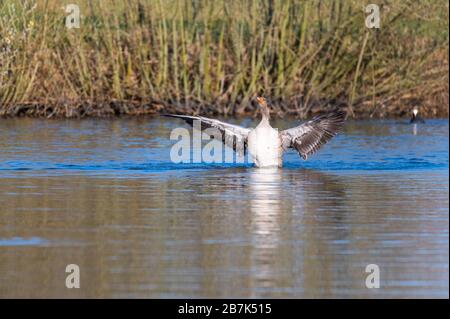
point(211, 57)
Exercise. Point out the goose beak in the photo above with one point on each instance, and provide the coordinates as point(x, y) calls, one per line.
point(260, 100)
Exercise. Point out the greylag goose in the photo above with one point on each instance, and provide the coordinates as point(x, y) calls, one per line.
point(266, 144)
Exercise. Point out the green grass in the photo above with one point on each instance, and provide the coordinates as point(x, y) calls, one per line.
point(214, 56)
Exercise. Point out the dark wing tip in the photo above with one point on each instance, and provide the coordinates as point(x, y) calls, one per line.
point(175, 115)
point(188, 119)
point(331, 123)
point(322, 129)
point(337, 116)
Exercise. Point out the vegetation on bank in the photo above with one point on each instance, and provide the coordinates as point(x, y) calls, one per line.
point(211, 57)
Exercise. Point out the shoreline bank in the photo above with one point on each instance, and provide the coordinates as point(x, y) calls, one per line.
point(111, 109)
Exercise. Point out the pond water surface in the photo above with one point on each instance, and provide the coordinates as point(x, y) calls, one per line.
point(104, 195)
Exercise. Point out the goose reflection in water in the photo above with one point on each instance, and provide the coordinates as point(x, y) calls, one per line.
point(286, 224)
point(265, 205)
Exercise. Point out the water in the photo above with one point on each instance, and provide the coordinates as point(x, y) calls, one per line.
point(104, 195)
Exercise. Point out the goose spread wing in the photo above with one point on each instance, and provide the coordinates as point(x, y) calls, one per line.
point(308, 137)
point(233, 136)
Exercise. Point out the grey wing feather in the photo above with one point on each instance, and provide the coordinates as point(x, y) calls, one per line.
point(233, 136)
point(308, 137)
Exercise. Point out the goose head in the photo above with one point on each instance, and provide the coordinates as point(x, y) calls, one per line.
point(265, 111)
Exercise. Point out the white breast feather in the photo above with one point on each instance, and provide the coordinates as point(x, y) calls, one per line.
point(265, 147)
